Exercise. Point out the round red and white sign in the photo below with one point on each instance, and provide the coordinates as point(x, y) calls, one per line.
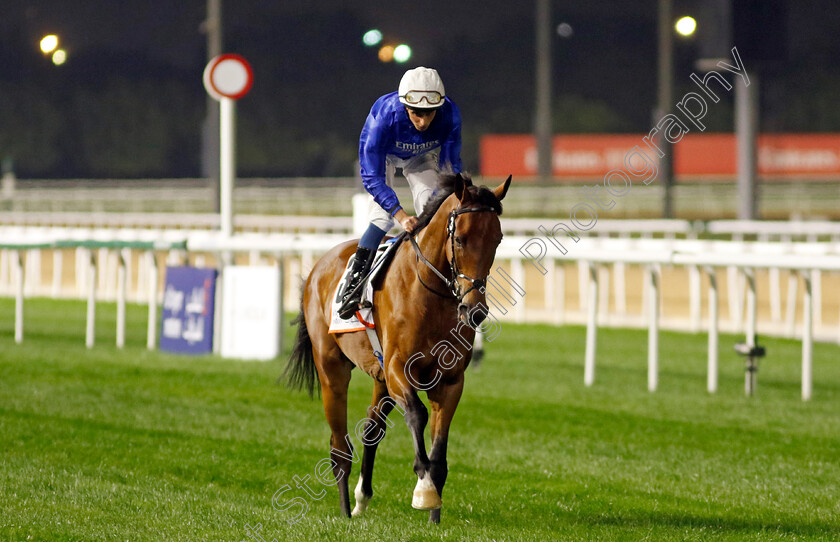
point(228, 76)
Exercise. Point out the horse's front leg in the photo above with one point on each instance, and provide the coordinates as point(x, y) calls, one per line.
point(444, 400)
point(425, 495)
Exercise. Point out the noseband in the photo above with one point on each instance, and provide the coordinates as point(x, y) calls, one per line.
point(453, 284)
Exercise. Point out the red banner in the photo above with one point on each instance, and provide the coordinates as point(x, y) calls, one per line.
point(696, 155)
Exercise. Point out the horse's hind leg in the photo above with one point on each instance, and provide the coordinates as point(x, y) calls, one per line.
point(334, 374)
point(374, 431)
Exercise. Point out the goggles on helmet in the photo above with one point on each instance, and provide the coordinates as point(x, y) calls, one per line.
point(414, 97)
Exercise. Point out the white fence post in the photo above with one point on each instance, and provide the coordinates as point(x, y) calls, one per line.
point(591, 326)
point(653, 328)
point(90, 332)
point(19, 284)
point(749, 275)
point(712, 376)
point(807, 339)
point(816, 298)
point(750, 379)
point(790, 317)
point(121, 291)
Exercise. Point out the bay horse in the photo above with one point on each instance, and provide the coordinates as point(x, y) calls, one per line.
point(425, 312)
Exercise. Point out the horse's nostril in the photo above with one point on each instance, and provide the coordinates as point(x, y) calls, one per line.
point(477, 315)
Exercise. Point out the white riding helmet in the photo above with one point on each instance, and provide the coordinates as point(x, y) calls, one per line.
point(421, 88)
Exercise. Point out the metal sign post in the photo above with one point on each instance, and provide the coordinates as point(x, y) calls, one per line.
point(227, 78)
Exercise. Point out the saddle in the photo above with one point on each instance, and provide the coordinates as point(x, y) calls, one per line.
point(363, 319)
point(381, 261)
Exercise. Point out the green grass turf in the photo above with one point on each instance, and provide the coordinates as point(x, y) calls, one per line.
point(108, 444)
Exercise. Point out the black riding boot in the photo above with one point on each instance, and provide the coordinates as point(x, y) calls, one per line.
point(360, 268)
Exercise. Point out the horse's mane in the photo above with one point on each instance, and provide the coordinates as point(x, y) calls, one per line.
point(446, 186)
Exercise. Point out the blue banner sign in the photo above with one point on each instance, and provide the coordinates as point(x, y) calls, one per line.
point(188, 303)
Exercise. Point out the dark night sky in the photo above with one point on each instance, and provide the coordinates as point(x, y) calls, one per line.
point(309, 60)
point(170, 30)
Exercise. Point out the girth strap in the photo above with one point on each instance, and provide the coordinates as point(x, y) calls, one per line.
point(375, 344)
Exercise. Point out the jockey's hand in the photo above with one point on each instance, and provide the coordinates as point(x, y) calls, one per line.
point(408, 222)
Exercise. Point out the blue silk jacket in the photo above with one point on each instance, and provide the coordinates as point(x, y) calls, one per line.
point(389, 131)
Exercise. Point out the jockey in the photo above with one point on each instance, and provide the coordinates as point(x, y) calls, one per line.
point(417, 129)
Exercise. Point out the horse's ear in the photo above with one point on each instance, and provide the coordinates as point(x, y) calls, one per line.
point(460, 188)
point(467, 180)
point(502, 189)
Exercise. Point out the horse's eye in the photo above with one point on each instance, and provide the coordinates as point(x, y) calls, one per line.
point(459, 242)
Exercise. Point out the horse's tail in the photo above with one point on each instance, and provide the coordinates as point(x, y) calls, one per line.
point(300, 372)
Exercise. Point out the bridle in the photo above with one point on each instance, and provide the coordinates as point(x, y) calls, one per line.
point(453, 284)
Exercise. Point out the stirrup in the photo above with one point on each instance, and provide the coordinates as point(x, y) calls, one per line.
point(350, 305)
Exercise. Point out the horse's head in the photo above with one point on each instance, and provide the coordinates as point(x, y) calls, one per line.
point(473, 234)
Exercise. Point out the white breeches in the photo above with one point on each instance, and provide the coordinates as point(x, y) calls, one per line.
point(422, 174)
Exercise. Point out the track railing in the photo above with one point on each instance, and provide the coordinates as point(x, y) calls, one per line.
point(737, 230)
point(804, 260)
point(543, 269)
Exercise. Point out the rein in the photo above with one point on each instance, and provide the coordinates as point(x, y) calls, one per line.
point(452, 284)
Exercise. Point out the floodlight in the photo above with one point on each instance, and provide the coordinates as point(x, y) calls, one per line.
point(402, 53)
point(386, 53)
point(372, 37)
point(686, 26)
point(59, 57)
point(49, 43)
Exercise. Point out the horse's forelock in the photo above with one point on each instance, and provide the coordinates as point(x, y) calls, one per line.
point(486, 198)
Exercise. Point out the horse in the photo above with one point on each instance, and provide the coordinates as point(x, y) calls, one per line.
point(426, 310)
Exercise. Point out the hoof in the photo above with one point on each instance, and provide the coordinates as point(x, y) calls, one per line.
point(361, 500)
point(359, 509)
point(425, 495)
